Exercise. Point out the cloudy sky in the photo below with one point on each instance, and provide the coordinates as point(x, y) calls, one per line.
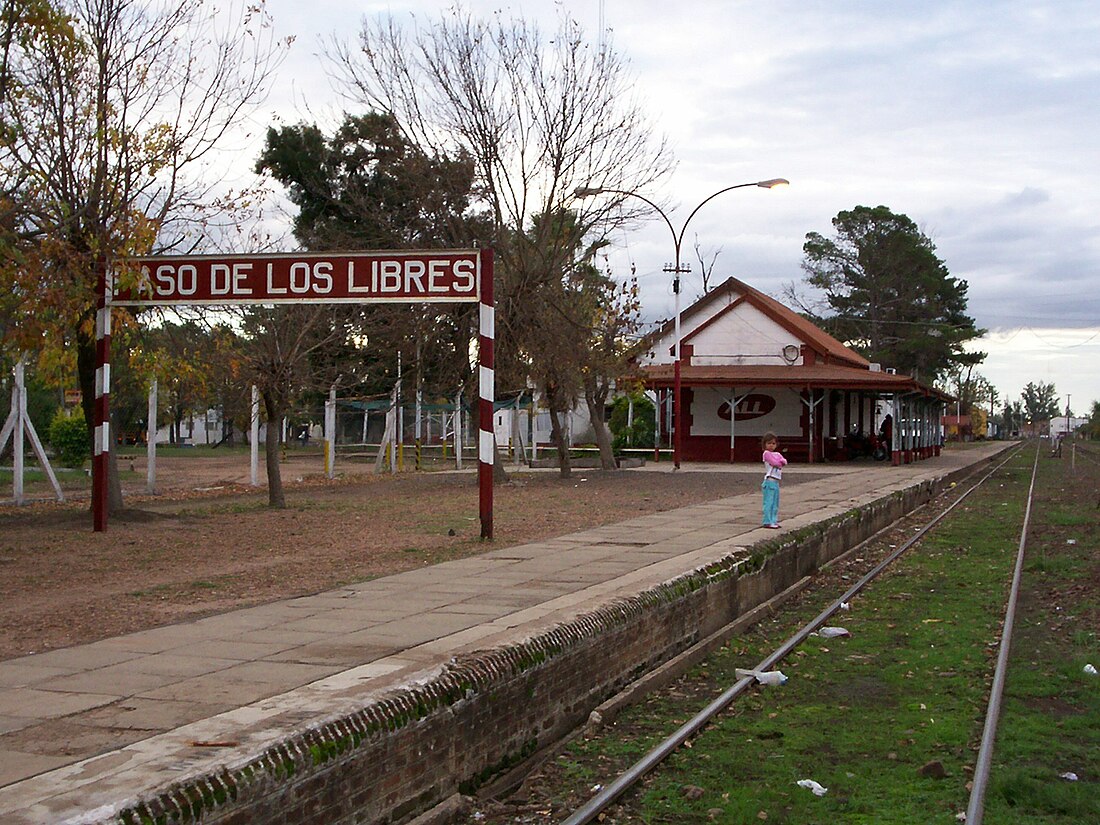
point(980, 121)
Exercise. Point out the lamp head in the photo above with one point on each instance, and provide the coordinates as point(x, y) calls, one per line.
point(773, 183)
point(587, 191)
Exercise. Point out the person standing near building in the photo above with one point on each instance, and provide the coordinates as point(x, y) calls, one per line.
point(774, 462)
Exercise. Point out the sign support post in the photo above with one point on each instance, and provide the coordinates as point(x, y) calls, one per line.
point(101, 451)
point(486, 383)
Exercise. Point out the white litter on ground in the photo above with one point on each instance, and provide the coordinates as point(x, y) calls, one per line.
point(809, 784)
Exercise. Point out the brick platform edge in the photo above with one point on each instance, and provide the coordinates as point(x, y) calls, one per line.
point(484, 713)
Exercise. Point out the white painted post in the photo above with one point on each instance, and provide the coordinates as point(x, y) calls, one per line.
point(151, 441)
point(733, 420)
point(458, 430)
point(387, 437)
point(531, 429)
point(393, 423)
point(19, 423)
point(363, 440)
point(39, 450)
point(9, 424)
point(19, 402)
point(517, 441)
point(330, 434)
point(254, 438)
point(656, 425)
point(895, 433)
point(417, 444)
point(399, 422)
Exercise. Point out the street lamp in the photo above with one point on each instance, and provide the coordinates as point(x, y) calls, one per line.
point(677, 269)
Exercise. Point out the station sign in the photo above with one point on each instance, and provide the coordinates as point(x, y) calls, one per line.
point(338, 277)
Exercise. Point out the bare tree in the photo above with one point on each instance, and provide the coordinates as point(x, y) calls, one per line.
point(706, 266)
point(110, 116)
point(540, 117)
point(288, 349)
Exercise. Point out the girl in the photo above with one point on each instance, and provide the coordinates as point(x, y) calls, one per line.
point(774, 462)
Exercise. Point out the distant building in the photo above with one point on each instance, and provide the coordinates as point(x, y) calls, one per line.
point(750, 365)
point(958, 427)
point(1064, 425)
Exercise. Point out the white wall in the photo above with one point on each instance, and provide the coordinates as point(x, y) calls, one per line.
point(783, 418)
point(744, 335)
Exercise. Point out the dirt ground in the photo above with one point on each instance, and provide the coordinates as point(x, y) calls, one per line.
point(208, 542)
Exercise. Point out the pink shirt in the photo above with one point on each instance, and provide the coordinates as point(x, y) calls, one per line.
point(773, 464)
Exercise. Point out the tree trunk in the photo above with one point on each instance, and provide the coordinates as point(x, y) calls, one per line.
point(275, 496)
point(500, 475)
point(596, 399)
point(557, 435)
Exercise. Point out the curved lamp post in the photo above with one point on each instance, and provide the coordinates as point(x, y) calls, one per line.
point(677, 268)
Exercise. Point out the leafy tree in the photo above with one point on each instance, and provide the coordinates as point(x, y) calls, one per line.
point(1039, 401)
point(368, 187)
point(973, 390)
point(1013, 418)
point(1093, 425)
point(888, 295)
point(184, 359)
point(109, 110)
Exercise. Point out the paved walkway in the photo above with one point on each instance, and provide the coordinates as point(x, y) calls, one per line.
point(92, 726)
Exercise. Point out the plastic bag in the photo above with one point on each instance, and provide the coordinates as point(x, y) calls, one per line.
point(809, 784)
point(763, 677)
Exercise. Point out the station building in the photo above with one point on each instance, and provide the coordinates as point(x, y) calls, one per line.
point(751, 365)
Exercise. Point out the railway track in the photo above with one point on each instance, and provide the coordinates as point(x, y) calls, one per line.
point(602, 804)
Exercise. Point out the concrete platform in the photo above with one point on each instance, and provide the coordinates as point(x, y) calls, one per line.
point(89, 730)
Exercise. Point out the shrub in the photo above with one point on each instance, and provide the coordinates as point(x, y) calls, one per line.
point(68, 436)
point(640, 433)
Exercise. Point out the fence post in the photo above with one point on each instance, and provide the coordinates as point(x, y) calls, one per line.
point(151, 441)
point(419, 422)
point(458, 430)
point(330, 434)
point(254, 431)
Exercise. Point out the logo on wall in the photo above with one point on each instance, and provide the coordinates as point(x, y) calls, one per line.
point(754, 405)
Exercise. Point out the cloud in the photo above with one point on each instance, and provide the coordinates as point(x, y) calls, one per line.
point(978, 120)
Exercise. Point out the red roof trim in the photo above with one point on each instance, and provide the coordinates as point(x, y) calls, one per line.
point(831, 376)
point(820, 341)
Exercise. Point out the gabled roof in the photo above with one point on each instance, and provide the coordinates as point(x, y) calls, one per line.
point(837, 367)
point(825, 345)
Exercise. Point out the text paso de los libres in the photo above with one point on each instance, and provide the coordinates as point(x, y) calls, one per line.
point(212, 279)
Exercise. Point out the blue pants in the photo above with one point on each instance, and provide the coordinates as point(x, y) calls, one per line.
point(770, 489)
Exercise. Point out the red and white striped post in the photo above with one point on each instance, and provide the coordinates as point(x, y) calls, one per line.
point(101, 446)
point(486, 453)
